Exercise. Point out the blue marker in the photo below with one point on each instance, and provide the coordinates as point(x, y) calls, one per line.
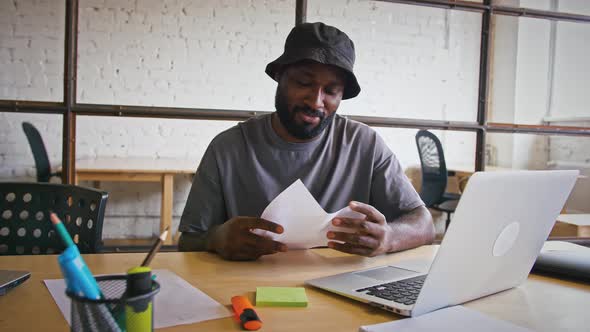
point(78, 278)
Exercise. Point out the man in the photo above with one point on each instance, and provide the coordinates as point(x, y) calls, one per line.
point(342, 162)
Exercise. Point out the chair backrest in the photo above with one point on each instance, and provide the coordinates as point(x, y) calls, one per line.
point(25, 227)
point(39, 153)
point(434, 168)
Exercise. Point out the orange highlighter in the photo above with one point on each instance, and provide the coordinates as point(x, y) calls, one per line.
point(245, 313)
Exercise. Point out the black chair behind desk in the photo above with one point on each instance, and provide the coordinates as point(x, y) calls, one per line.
point(25, 228)
point(39, 153)
point(434, 175)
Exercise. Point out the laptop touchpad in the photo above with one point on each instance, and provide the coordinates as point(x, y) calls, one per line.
point(387, 273)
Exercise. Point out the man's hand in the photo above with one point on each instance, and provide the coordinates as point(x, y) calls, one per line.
point(234, 239)
point(368, 237)
point(374, 235)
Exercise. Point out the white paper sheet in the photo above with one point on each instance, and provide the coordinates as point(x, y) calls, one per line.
point(564, 246)
point(178, 302)
point(305, 222)
point(457, 318)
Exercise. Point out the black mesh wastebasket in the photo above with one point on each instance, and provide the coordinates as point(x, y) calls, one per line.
point(115, 311)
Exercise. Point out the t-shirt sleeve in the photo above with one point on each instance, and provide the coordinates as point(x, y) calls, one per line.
point(205, 207)
point(392, 192)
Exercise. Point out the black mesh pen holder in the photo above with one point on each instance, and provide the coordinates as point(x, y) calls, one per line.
point(115, 311)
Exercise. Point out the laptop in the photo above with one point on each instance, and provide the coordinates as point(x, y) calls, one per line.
point(498, 229)
point(10, 279)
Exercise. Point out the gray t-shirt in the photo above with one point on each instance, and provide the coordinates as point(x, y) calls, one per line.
point(247, 166)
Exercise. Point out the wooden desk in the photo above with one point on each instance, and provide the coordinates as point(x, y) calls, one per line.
point(541, 303)
point(572, 225)
point(138, 170)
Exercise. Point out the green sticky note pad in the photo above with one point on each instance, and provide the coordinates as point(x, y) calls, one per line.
point(281, 297)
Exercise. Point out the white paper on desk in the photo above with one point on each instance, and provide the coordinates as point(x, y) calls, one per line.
point(178, 302)
point(304, 220)
point(457, 318)
point(563, 246)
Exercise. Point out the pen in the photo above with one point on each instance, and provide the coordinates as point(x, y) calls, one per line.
point(245, 313)
point(155, 248)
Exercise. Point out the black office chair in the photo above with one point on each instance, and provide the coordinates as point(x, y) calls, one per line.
point(39, 153)
point(25, 227)
point(434, 175)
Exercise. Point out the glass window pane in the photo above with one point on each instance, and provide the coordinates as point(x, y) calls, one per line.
point(208, 54)
point(571, 75)
point(16, 156)
point(459, 151)
point(581, 7)
point(153, 145)
point(458, 147)
point(411, 61)
point(540, 72)
point(539, 152)
point(32, 50)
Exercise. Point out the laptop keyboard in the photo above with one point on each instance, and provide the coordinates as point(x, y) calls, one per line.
point(402, 291)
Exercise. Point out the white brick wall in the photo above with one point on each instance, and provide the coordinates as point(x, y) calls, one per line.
point(32, 49)
point(411, 62)
point(181, 52)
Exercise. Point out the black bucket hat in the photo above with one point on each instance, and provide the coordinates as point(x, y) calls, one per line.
point(321, 43)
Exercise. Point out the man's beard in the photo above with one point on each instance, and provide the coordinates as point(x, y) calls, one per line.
point(301, 131)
